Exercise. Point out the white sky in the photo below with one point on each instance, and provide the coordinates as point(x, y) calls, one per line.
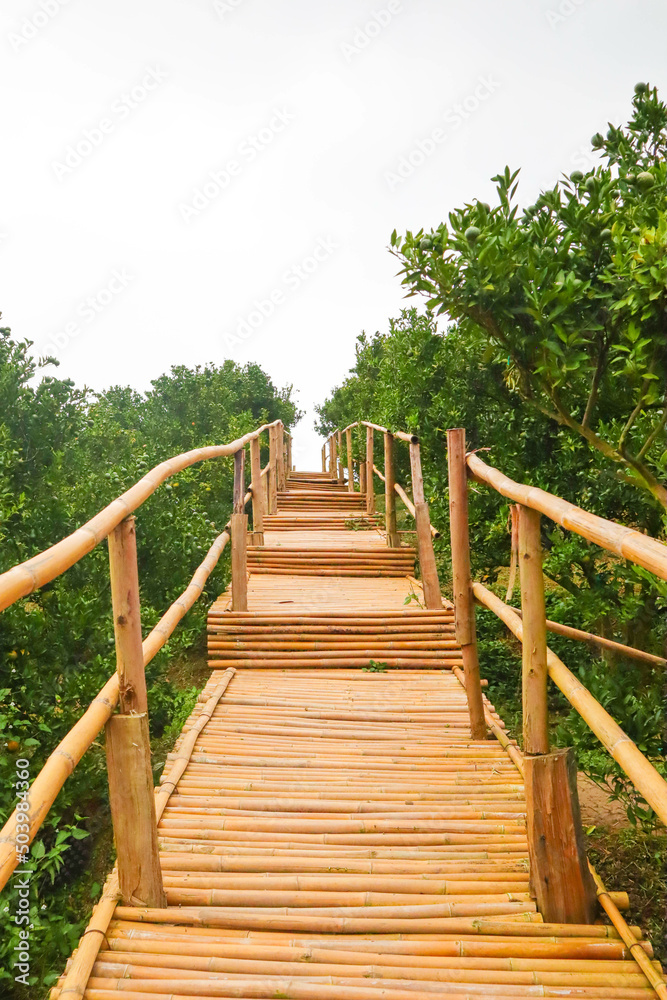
point(339, 103)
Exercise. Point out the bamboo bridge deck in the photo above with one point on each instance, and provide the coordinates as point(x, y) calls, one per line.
point(336, 832)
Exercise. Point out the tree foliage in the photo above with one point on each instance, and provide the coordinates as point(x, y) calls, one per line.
point(570, 294)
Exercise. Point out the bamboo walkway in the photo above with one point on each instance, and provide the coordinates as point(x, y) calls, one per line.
point(335, 832)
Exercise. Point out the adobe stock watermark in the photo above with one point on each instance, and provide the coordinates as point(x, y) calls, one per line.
point(92, 138)
point(32, 25)
point(374, 26)
point(224, 7)
point(452, 119)
point(22, 876)
point(290, 282)
point(564, 10)
point(247, 152)
point(88, 310)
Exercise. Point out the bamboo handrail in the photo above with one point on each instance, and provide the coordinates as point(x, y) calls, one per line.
point(625, 542)
point(24, 578)
point(597, 640)
point(643, 775)
point(81, 736)
point(606, 899)
point(401, 435)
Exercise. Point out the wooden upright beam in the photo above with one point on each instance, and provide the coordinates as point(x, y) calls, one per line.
point(324, 458)
point(350, 466)
point(273, 471)
point(393, 537)
point(427, 564)
point(132, 801)
point(239, 529)
point(560, 876)
point(464, 607)
point(239, 481)
point(339, 444)
point(280, 457)
point(127, 616)
point(534, 656)
point(370, 494)
point(257, 491)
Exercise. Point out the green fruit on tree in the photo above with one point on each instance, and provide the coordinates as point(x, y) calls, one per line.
point(630, 178)
point(591, 185)
point(472, 234)
point(597, 140)
point(641, 88)
point(485, 205)
point(576, 176)
point(605, 234)
point(426, 244)
point(645, 180)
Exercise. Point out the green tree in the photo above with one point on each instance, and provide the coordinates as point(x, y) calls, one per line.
point(570, 295)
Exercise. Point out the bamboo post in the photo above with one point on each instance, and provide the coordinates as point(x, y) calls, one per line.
point(464, 607)
point(514, 557)
point(370, 495)
point(239, 529)
point(324, 458)
point(339, 449)
point(128, 740)
point(560, 876)
point(334, 457)
point(393, 538)
point(257, 499)
point(132, 802)
point(280, 457)
point(273, 472)
point(350, 467)
point(429, 570)
point(127, 616)
point(534, 656)
point(289, 453)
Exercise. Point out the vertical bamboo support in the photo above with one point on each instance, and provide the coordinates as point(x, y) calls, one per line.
point(257, 498)
point(280, 457)
point(514, 557)
point(560, 876)
point(239, 528)
point(427, 565)
point(273, 472)
point(128, 741)
point(464, 607)
point(333, 465)
point(393, 538)
point(534, 657)
point(370, 495)
point(350, 466)
point(339, 448)
point(127, 616)
point(132, 802)
point(289, 454)
point(324, 458)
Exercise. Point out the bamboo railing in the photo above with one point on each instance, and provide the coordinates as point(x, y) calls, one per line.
point(128, 749)
point(565, 888)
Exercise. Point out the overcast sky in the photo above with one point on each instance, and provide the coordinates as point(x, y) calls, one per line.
point(189, 180)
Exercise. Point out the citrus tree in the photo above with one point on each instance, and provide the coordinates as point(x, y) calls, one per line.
point(569, 295)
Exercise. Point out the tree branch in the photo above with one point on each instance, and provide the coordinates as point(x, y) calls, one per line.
point(595, 385)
